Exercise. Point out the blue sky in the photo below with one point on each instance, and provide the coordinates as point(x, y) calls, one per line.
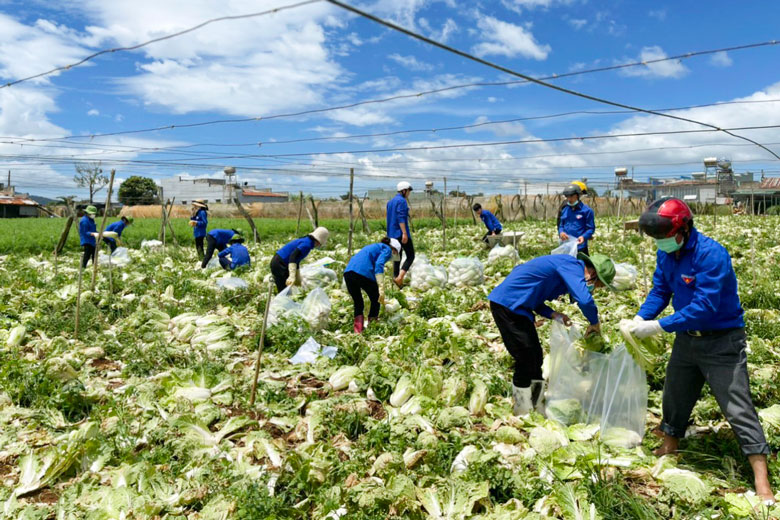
point(318, 56)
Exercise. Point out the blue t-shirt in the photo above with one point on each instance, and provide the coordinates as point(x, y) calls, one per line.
point(87, 226)
point(490, 221)
point(397, 213)
point(543, 279)
point(222, 236)
point(304, 245)
point(239, 255)
point(202, 220)
point(118, 227)
point(370, 261)
point(701, 284)
point(578, 221)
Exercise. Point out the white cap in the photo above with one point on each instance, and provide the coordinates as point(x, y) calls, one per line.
point(395, 244)
point(320, 235)
point(403, 185)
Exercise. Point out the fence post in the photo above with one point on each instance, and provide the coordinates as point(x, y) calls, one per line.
point(161, 236)
point(247, 217)
point(102, 228)
point(444, 216)
point(168, 221)
point(363, 213)
point(300, 212)
point(457, 208)
point(351, 221)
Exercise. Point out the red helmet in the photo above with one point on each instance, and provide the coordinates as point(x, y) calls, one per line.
point(665, 217)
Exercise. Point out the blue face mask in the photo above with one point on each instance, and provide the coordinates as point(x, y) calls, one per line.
point(572, 204)
point(668, 245)
point(591, 286)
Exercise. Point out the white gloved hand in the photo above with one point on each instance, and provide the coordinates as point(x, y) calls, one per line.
point(292, 277)
point(645, 329)
point(638, 318)
point(380, 280)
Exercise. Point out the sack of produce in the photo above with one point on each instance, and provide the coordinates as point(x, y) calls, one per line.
point(232, 283)
point(314, 276)
point(566, 248)
point(425, 275)
point(625, 277)
point(500, 253)
point(119, 258)
point(283, 307)
point(466, 272)
point(316, 309)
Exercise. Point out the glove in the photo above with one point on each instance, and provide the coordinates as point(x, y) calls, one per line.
point(292, 278)
point(638, 318)
point(193, 223)
point(380, 280)
point(645, 329)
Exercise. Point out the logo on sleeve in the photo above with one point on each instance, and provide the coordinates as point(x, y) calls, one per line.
point(688, 278)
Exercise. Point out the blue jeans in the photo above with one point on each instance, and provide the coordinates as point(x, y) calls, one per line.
point(719, 360)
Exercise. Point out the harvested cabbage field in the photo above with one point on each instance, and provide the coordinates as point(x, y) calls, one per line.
point(147, 414)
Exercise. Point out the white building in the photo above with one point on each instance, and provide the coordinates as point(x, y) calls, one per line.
point(216, 191)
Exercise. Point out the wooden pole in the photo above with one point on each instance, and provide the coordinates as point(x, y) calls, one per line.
point(78, 299)
point(363, 213)
point(444, 216)
point(102, 228)
point(315, 221)
point(161, 235)
point(168, 221)
point(262, 344)
point(351, 220)
point(300, 213)
point(457, 208)
point(63, 236)
point(245, 214)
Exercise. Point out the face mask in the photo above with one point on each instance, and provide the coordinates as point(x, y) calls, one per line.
point(591, 286)
point(668, 245)
point(572, 204)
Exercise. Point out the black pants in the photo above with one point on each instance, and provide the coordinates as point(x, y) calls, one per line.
point(357, 282)
point(211, 245)
point(720, 361)
point(522, 343)
point(486, 235)
point(111, 244)
point(199, 247)
point(280, 271)
point(408, 248)
point(225, 263)
point(584, 250)
point(89, 254)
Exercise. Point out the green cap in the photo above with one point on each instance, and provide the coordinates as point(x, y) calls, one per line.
point(129, 219)
point(92, 210)
point(236, 238)
point(604, 266)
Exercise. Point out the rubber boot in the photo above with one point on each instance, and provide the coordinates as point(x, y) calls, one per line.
point(521, 400)
point(359, 324)
point(538, 387)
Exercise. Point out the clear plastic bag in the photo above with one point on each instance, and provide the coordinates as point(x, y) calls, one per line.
point(425, 275)
point(150, 244)
point(119, 258)
point(232, 283)
point(568, 247)
point(317, 275)
point(315, 309)
point(625, 277)
point(589, 387)
point(466, 272)
point(499, 253)
point(283, 307)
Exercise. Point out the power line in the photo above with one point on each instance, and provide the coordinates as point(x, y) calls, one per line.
point(531, 79)
point(155, 40)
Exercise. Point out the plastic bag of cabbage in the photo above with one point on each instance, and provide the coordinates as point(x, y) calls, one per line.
point(314, 309)
point(566, 248)
point(466, 272)
point(500, 253)
point(425, 275)
point(119, 258)
point(317, 274)
point(625, 277)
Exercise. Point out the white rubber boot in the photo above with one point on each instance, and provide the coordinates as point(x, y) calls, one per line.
point(538, 387)
point(521, 399)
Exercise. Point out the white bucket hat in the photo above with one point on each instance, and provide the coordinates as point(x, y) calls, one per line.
point(403, 185)
point(321, 235)
point(396, 246)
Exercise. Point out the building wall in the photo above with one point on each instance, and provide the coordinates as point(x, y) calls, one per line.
point(185, 191)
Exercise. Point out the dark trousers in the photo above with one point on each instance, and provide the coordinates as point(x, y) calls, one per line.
point(89, 254)
point(584, 250)
point(211, 245)
point(199, 247)
point(522, 343)
point(111, 244)
point(357, 282)
point(280, 271)
point(408, 251)
point(225, 263)
point(720, 361)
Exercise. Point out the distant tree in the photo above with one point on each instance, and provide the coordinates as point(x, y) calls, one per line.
point(137, 190)
point(456, 193)
point(90, 176)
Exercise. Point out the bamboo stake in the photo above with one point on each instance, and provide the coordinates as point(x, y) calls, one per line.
point(161, 235)
point(248, 219)
point(457, 208)
point(300, 213)
point(102, 228)
point(444, 216)
point(262, 344)
point(168, 221)
point(78, 299)
point(63, 236)
point(351, 220)
point(363, 213)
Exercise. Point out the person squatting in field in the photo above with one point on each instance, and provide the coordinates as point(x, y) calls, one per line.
point(235, 255)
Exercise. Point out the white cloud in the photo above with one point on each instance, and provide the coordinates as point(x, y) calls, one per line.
point(93, 112)
point(721, 59)
point(448, 29)
point(505, 39)
point(402, 12)
point(662, 69)
point(410, 62)
point(518, 5)
point(577, 23)
point(659, 14)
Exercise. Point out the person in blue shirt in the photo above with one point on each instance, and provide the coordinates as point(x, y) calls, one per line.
point(523, 294)
point(117, 227)
point(576, 219)
point(217, 239)
point(491, 222)
point(86, 228)
point(366, 272)
point(398, 228)
point(199, 221)
point(284, 264)
point(694, 272)
point(235, 255)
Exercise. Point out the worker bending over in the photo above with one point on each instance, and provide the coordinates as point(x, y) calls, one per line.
point(217, 239)
point(491, 222)
point(366, 272)
point(117, 227)
point(285, 263)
